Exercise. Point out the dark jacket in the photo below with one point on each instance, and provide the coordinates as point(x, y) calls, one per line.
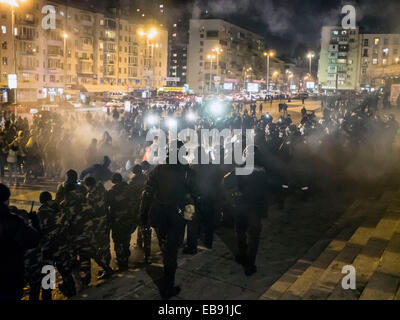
point(167, 187)
point(97, 171)
point(15, 238)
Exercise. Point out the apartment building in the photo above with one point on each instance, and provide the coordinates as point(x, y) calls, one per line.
point(350, 60)
point(238, 59)
point(88, 51)
point(380, 59)
point(339, 60)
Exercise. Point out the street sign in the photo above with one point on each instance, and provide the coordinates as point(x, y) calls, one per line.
point(12, 81)
point(173, 79)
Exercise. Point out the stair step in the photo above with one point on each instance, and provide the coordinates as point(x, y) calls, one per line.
point(328, 280)
point(381, 286)
point(298, 281)
point(280, 286)
point(387, 264)
point(323, 282)
point(314, 271)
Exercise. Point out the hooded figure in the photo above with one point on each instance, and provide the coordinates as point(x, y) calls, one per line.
point(98, 171)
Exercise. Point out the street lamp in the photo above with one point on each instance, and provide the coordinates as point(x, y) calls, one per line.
point(268, 54)
point(210, 57)
point(310, 55)
point(65, 37)
point(150, 34)
point(218, 51)
point(13, 4)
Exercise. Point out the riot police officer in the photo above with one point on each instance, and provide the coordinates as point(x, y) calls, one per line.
point(121, 219)
point(162, 207)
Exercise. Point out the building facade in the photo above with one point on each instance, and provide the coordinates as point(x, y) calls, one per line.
point(339, 60)
point(239, 58)
point(350, 60)
point(380, 59)
point(87, 51)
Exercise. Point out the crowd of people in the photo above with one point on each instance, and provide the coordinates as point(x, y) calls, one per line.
point(110, 188)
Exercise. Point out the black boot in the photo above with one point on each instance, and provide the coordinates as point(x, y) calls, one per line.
point(250, 267)
point(169, 290)
point(188, 250)
point(166, 294)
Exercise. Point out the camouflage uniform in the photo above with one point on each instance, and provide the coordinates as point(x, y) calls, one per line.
point(101, 225)
point(122, 221)
point(79, 220)
point(55, 249)
point(136, 186)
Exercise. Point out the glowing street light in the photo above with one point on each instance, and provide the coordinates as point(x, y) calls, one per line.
point(211, 57)
point(219, 51)
point(150, 34)
point(310, 55)
point(65, 36)
point(268, 54)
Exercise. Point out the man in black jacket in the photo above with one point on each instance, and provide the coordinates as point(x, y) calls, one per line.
point(162, 206)
point(251, 204)
point(15, 238)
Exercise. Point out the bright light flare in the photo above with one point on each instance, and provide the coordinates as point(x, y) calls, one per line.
point(172, 123)
point(191, 116)
point(217, 108)
point(152, 33)
point(12, 3)
point(152, 119)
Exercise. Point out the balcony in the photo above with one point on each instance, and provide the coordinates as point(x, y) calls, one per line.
point(28, 20)
point(28, 52)
point(26, 68)
point(27, 37)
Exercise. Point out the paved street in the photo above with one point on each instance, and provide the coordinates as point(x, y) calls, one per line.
point(292, 240)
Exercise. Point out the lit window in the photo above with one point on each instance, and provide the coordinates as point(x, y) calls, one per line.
point(374, 61)
point(384, 61)
point(376, 41)
point(3, 29)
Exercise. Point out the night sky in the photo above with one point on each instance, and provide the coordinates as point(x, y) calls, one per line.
point(291, 26)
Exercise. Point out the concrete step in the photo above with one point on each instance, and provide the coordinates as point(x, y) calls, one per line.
point(317, 278)
point(373, 241)
point(360, 251)
point(313, 262)
point(384, 283)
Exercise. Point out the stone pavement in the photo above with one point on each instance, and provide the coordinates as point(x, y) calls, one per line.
point(213, 274)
